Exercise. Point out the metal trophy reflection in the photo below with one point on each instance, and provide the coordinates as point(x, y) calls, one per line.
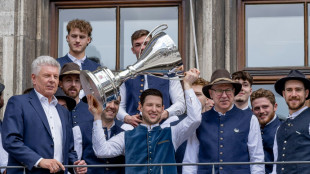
point(160, 56)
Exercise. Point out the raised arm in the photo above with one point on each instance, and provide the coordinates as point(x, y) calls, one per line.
point(103, 148)
point(187, 126)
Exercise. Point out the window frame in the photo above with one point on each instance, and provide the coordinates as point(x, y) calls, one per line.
point(268, 75)
point(55, 5)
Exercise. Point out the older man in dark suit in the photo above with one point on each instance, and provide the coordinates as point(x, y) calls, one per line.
point(36, 130)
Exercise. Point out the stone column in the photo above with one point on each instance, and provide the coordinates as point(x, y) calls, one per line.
point(215, 25)
point(23, 36)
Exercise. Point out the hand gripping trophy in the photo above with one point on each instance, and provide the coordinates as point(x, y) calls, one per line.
point(160, 56)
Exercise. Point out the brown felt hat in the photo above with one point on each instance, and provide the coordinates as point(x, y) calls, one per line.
point(221, 76)
point(69, 68)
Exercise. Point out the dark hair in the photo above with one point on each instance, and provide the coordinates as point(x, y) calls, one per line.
point(242, 75)
point(26, 91)
point(139, 33)
point(148, 92)
point(263, 93)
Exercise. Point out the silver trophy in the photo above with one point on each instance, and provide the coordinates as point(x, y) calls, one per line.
point(160, 58)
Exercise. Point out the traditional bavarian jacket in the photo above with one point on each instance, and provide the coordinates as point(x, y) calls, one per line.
point(230, 137)
point(81, 114)
point(268, 135)
point(148, 144)
point(86, 65)
point(131, 90)
point(84, 148)
point(293, 143)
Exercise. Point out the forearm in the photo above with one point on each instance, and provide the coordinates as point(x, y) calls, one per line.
point(188, 125)
point(177, 99)
point(106, 149)
point(255, 147)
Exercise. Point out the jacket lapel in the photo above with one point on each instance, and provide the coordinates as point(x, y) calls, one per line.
point(34, 100)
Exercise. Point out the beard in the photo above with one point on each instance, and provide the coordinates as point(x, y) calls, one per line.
point(149, 121)
point(239, 100)
point(291, 107)
point(67, 92)
point(265, 121)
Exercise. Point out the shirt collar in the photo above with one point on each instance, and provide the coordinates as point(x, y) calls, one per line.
point(75, 59)
point(275, 116)
point(149, 127)
point(245, 108)
point(113, 124)
point(295, 114)
point(43, 98)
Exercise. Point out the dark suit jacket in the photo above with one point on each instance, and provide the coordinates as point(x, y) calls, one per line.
point(26, 134)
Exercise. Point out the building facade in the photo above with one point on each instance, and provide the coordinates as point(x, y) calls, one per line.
point(266, 38)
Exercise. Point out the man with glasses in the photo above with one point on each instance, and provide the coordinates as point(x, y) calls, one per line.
point(292, 142)
point(226, 133)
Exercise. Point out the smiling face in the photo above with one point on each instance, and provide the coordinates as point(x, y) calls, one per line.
point(222, 102)
point(77, 41)
point(151, 109)
point(264, 110)
point(295, 95)
point(111, 110)
point(46, 82)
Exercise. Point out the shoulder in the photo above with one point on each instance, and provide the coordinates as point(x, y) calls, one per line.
point(19, 98)
point(127, 127)
point(90, 62)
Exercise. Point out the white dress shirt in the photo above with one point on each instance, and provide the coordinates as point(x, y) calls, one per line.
point(77, 61)
point(3, 156)
point(78, 139)
point(275, 144)
point(179, 133)
point(176, 96)
point(55, 125)
point(254, 144)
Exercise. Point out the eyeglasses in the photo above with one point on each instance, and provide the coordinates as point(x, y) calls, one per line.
point(219, 92)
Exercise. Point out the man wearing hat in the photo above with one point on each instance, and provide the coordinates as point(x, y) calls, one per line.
point(111, 127)
point(3, 153)
point(292, 141)
point(226, 133)
point(64, 100)
point(69, 82)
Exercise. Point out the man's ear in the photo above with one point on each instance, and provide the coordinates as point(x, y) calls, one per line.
point(140, 107)
point(132, 50)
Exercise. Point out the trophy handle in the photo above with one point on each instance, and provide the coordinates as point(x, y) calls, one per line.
point(177, 76)
point(165, 26)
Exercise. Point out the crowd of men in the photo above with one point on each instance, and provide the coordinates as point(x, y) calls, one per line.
point(153, 120)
